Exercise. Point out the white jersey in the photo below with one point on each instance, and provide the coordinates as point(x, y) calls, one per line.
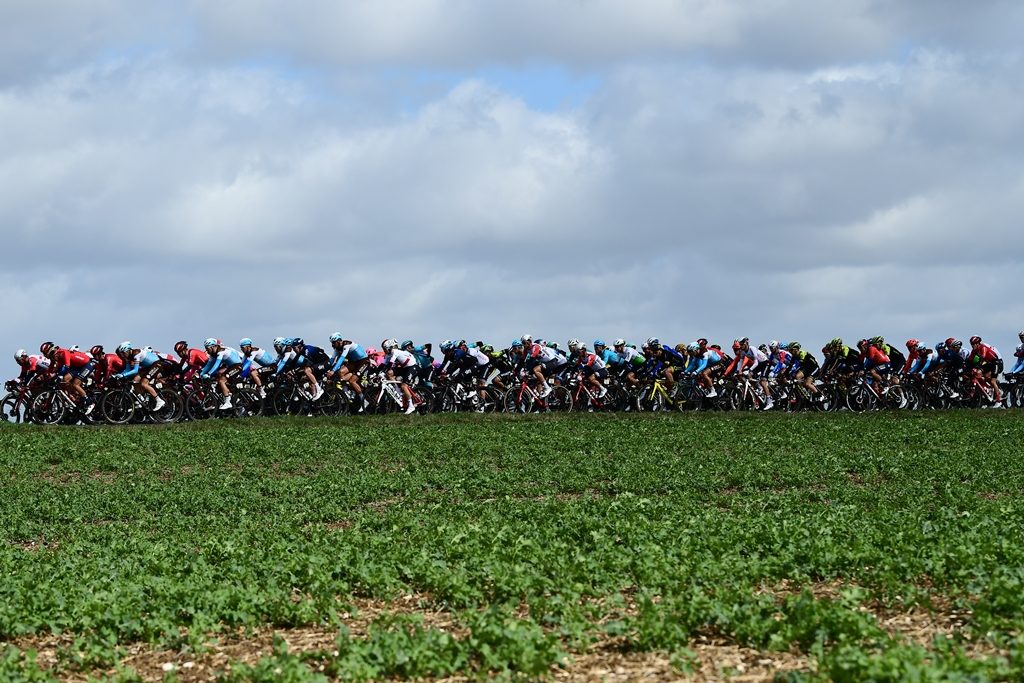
point(480, 356)
point(548, 354)
point(401, 359)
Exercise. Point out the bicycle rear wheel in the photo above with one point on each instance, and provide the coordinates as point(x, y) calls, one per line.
point(14, 410)
point(518, 400)
point(47, 408)
point(118, 406)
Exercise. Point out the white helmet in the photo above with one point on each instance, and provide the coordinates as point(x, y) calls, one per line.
point(619, 342)
point(526, 339)
point(574, 343)
point(653, 342)
point(389, 344)
point(773, 345)
point(20, 353)
point(125, 347)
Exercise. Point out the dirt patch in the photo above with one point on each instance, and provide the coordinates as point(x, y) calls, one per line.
point(33, 545)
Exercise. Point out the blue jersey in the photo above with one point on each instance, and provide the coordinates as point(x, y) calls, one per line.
point(349, 352)
point(612, 359)
point(227, 357)
point(143, 360)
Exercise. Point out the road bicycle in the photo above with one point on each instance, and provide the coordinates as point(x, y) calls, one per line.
point(123, 403)
point(523, 398)
point(16, 405)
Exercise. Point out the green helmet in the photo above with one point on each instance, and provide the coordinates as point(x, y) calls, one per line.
point(835, 343)
point(877, 341)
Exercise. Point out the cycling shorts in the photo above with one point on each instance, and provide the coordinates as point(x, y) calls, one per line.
point(84, 371)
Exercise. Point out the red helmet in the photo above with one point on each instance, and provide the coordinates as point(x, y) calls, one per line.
point(975, 340)
point(736, 346)
point(45, 347)
point(949, 341)
point(96, 350)
point(912, 344)
point(181, 346)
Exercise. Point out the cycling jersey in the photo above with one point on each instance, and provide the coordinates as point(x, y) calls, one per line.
point(227, 357)
point(982, 353)
point(110, 364)
point(349, 352)
point(477, 355)
point(633, 357)
point(590, 360)
point(612, 359)
point(67, 359)
point(805, 362)
point(1019, 354)
point(750, 359)
point(313, 355)
point(35, 364)
point(780, 360)
point(142, 360)
point(874, 357)
point(702, 361)
point(953, 360)
point(921, 362)
point(257, 356)
point(287, 360)
point(400, 359)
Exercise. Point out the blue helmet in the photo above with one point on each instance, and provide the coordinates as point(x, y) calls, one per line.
point(280, 341)
point(245, 342)
point(125, 347)
point(210, 341)
point(336, 337)
point(693, 348)
point(599, 342)
point(517, 344)
point(447, 345)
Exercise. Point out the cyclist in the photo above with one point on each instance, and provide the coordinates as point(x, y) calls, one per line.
point(632, 361)
point(401, 365)
point(192, 360)
point(424, 360)
point(254, 355)
point(754, 362)
point(73, 367)
point(897, 361)
point(142, 365)
point(31, 366)
point(987, 359)
point(534, 357)
point(591, 365)
point(921, 360)
point(876, 362)
point(779, 359)
point(1019, 354)
point(107, 364)
point(663, 359)
point(313, 360)
point(804, 367)
point(702, 363)
point(223, 363)
point(348, 361)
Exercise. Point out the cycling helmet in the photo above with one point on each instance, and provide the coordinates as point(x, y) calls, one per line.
point(920, 348)
point(336, 337)
point(280, 341)
point(949, 341)
point(245, 342)
point(975, 340)
point(407, 342)
point(877, 341)
point(388, 345)
point(551, 344)
point(211, 342)
point(680, 348)
point(794, 346)
point(745, 340)
point(1021, 333)
point(941, 346)
point(912, 343)
point(20, 353)
point(45, 347)
point(653, 342)
point(773, 345)
point(763, 348)
point(96, 350)
point(298, 341)
point(836, 343)
point(693, 348)
point(599, 342)
point(736, 346)
point(526, 339)
point(448, 345)
point(622, 342)
point(517, 344)
point(125, 347)
point(702, 342)
point(574, 343)
point(956, 344)
point(179, 347)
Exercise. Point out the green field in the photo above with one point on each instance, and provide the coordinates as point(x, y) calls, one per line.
point(844, 547)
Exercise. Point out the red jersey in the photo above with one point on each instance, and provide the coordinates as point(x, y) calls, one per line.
point(66, 358)
point(110, 364)
point(875, 355)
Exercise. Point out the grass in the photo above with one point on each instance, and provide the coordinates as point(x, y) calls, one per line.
point(545, 542)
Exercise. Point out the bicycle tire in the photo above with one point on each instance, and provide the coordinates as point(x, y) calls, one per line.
point(118, 406)
point(13, 410)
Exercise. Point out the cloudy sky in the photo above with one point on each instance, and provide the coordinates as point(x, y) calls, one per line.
point(474, 168)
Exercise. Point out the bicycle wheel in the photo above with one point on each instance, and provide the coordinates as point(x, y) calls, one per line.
point(559, 400)
point(47, 408)
point(449, 401)
point(172, 409)
point(518, 400)
point(118, 406)
point(14, 410)
point(199, 405)
point(650, 399)
point(895, 397)
point(493, 400)
point(333, 403)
